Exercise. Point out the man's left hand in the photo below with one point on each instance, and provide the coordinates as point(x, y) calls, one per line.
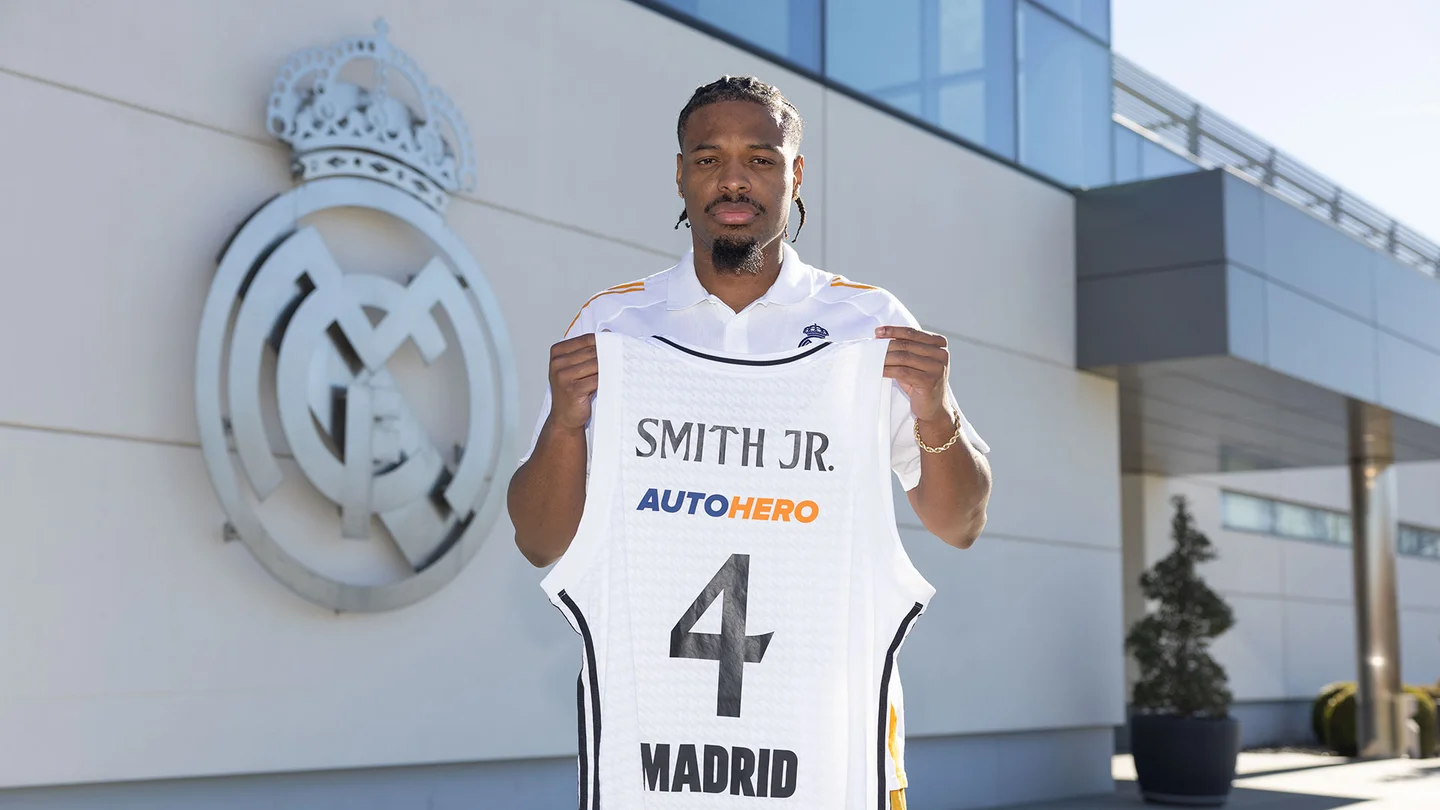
point(920, 362)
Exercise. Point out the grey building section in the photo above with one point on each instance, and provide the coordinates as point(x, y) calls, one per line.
point(1238, 325)
point(523, 784)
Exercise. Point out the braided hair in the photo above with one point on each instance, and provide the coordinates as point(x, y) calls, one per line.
point(746, 88)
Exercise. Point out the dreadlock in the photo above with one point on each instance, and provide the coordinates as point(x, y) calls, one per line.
point(746, 88)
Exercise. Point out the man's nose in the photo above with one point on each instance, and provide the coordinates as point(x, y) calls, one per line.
point(735, 179)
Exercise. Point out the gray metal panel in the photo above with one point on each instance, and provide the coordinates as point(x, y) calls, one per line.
point(1245, 314)
point(1147, 316)
point(1244, 222)
point(1172, 222)
point(1406, 302)
point(512, 784)
point(1409, 378)
point(1314, 342)
point(1310, 255)
point(955, 773)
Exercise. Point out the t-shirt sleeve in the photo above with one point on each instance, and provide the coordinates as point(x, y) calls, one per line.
point(904, 452)
point(583, 324)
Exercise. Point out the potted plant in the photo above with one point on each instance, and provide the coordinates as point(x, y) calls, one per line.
point(1181, 734)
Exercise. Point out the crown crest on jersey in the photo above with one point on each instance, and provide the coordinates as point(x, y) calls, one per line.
point(816, 331)
point(338, 127)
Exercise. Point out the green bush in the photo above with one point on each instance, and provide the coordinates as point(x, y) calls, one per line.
point(1339, 720)
point(1317, 710)
point(1172, 643)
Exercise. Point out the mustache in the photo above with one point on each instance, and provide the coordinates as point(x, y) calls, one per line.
point(740, 200)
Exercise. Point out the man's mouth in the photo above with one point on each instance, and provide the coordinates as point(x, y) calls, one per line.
point(733, 213)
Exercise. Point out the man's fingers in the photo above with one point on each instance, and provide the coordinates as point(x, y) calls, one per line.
point(916, 347)
point(575, 358)
point(910, 333)
point(584, 386)
point(578, 371)
point(910, 376)
point(919, 362)
point(570, 345)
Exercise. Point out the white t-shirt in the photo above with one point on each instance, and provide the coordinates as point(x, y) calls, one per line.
point(805, 305)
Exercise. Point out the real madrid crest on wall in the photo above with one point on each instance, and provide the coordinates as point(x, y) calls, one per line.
point(354, 382)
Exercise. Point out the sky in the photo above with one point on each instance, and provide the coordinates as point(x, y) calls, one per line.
point(1349, 87)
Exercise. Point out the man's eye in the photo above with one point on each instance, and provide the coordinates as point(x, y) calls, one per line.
point(704, 161)
point(763, 160)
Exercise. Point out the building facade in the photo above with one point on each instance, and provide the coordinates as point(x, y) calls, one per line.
point(154, 658)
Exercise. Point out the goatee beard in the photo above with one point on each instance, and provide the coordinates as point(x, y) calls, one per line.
point(736, 256)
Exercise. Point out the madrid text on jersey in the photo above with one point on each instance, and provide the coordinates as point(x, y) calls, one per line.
point(715, 769)
point(687, 442)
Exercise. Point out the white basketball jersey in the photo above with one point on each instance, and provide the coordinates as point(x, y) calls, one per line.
point(738, 582)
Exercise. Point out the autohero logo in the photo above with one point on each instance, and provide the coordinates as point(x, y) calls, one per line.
point(733, 506)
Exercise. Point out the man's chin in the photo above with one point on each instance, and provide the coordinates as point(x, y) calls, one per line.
point(736, 255)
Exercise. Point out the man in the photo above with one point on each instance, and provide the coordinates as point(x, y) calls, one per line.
point(742, 289)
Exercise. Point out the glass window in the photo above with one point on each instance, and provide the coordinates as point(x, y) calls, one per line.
point(1306, 523)
point(949, 62)
point(1419, 542)
point(1247, 513)
point(1092, 15)
point(787, 28)
point(1126, 144)
point(1157, 161)
point(1064, 92)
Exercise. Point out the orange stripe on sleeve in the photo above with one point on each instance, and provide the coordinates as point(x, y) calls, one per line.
point(840, 282)
point(621, 290)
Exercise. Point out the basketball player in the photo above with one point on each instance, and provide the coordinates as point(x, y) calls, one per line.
point(743, 289)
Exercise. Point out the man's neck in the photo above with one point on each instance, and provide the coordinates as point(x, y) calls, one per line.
point(738, 290)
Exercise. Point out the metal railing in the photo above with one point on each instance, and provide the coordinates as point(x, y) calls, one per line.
point(1146, 103)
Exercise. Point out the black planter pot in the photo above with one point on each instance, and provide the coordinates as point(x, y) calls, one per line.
point(1184, 760)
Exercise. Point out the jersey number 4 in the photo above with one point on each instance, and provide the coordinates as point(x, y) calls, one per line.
point(731, 647)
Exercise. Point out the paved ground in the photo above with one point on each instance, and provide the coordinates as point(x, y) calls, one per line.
point(1298, 782)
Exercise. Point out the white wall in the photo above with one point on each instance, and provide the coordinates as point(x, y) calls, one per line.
point(1294, 599)
point(139, 645)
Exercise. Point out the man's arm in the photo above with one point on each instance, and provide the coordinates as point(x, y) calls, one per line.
point(954, 487)
point(547, 494)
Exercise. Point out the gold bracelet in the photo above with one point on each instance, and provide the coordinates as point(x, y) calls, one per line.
point(942, 448)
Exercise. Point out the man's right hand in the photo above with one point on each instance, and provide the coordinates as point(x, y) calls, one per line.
point(547, 493)
point(574, 378)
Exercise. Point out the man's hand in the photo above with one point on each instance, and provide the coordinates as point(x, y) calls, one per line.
point(954, 486)
point(574, 378)
point(920, 362)
point(547, 493)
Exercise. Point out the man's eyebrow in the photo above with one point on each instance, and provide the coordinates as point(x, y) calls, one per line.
point(769, 147)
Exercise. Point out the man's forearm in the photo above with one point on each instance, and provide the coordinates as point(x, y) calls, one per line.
point(954, 487)
point(547, 495)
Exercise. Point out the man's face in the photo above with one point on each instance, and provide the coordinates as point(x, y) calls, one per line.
point(738, 177)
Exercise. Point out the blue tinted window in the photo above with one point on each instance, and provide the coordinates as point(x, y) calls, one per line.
point(1139, 158)
point(788, 28)
point(949, 62)
point(1092, 15)
point(1127, 155)
point(1064, 92)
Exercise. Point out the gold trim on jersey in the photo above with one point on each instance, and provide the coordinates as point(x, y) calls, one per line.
point(619, 289)
point(841, 282)
point(895, 752)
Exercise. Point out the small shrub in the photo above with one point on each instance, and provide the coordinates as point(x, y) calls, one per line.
point(1171, 644)
point(1317, 709)
point(1340, 721)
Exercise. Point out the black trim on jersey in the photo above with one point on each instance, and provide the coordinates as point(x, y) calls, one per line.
point(738, 361)
point(880, 733)
point(594, 677)
point(584, 753)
